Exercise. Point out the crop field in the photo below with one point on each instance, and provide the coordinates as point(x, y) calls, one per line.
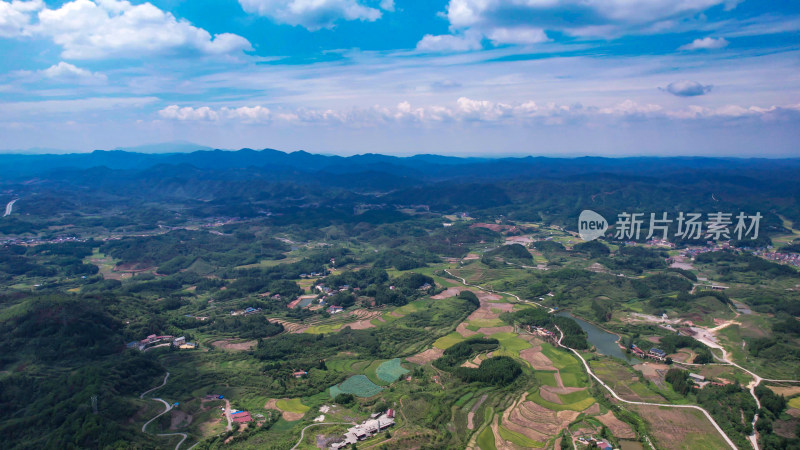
point(546, 378)
point(486, 439)
point(358, 385)
point(580, 405)
point(519, 438)
point(448, 341)
point(665, 424)
point(294, 405)
point(390, 371)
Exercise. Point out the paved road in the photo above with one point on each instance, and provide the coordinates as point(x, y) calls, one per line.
point(602, 383)
point(167, 408)
point(10, 207)
point(492, 291)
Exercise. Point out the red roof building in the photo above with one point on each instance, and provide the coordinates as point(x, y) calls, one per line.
point(242, 417)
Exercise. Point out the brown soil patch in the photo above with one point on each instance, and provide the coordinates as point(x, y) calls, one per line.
point(549, 395)
point(288, 416)
point(227, 344)
point(179, 417)
point(618, 428)
point(536, 358)
point(462, 330)
point(471, 415)
point(650, 370)
point(450, 292)
point(592, 410)
point(360, 325)
point(668, 423)
point(492, 330)
point(290, 327)
point(794, 412)
point(787, 391)
point(426, 356)
point(536, 422)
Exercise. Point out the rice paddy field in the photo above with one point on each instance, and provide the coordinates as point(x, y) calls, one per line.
point(358, 385)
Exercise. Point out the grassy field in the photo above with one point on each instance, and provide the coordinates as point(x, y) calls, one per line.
point(486, 439)
point(519, 439)
point(576, 406)
point(448, 341)
point(546, 378)
point(294, 405)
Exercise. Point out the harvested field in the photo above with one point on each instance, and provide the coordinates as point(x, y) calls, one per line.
point(618, 428)
point(234, 345)
point(694, 429)
point(464, 331)
point(536, 358)
point(290, 327)
point(287, 415)
point(426, 356)
point(492, 330)
point(450, 292)
point(787, 391)
point(549, 395)
point(536, 422)
point(471, 415)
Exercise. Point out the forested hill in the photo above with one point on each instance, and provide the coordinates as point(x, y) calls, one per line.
point(420, 167)
point(377, 188)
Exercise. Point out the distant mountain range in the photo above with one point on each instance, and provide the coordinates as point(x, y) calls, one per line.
point(269, 162)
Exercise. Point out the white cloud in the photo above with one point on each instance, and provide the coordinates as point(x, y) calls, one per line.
point(465, 110)
point(314, 14)
point(15, 16)
point(500, 20)
point(111, 28)
point(519, 35)
point(449, 43)
point(707, 43)
point(39, 108)
point(687, 88)
point(64, 71)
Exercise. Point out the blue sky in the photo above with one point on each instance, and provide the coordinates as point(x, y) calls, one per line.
point(472, 77)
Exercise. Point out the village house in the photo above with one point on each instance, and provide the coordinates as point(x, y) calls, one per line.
point(300, 374)
point(333, 309)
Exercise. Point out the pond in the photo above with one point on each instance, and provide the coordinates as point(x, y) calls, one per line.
point(604, 342)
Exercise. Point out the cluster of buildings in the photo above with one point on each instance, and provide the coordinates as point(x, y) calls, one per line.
point(153, 339)
point(598, 443)
point(37, 241)
point(541, 332)
point(312, 274)
point(246, 311)
point(785, 258)
point(655, 353)
point(375, 424)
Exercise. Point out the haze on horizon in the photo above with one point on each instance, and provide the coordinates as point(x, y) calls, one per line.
point(453, 77)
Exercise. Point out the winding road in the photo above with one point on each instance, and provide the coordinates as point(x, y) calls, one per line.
point(168, 408)
point(602, 383)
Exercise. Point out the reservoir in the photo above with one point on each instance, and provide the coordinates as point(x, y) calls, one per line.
point(604, 342)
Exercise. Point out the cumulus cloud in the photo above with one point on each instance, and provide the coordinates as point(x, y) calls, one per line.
point(315, 14)
point(88, 29)
point(500, 20)
point(64, 71)
point(707, 43)
point(467, 110)
point(449, 43)
point(15, 16)
point(687, 88)
point(518, 35)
